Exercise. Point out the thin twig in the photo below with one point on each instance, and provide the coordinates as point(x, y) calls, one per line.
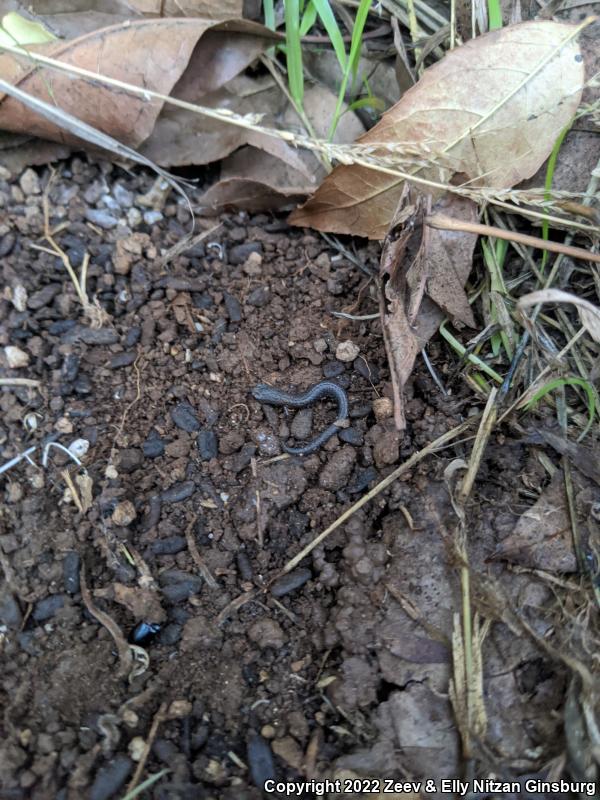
point(441, 441)
point(158, 718)
point(451, 224)
point(123, 649)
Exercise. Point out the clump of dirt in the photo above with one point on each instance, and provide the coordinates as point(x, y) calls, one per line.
point(191, 508)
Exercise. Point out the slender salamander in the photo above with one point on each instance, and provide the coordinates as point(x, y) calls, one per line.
point(275, 397)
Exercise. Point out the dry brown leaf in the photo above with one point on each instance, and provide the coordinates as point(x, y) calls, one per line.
point(143, 603)
point(224, 9)
point(67, 19)
point(150, 53)
point(489, 113)
point(423, 271)
point(270, 174)
point(256, 181)
point(542, 538)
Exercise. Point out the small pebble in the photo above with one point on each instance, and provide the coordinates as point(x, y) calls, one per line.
point(44, 296)
point(153, 447)
point(178, 585)
point(170, 634)
point(70, 367)
point(123, 196)
point(133, 336)
point(347, 351)
point(7, 242)
point(124, 514)
point(123, 359)
point(259, 297)
point(168, 546)
point(383, 408)
point(47, 607)
point(134, 217)
point(208, 445)
point(243, 458)
point(15, 357)
point(101, 218)
point(351, 436)
point(361, 480)
point(71, 567)
point(61, 326)
point(260, 760)
point(165, 750)
point(178, 492)
point(100, 336)
point(233, 307)
point(366, 370)
point(152, 217)
point(82, 385)
point(289, 583)
point(110, 778)
point(358, 412)
point(244, 566)
point(239, 253)
point(184, 416)
point(10, 613)
point(29, 182)
point(130, 459)
point(331, 369)
point(301, 426)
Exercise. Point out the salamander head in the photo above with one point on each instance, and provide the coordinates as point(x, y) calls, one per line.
point(261, 392)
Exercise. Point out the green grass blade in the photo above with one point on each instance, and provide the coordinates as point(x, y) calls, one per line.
point(470, 357)
point(557, 383)
point(329, 21)
point(145, 785)
point(308, 18)
point(548, 185)
point(269, 12)
point(353, 59)
point(294, 51)
point(494, 15)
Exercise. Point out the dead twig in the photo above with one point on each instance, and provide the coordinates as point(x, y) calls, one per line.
point(451, 224)
point(123, 649)
point(158, 718)
point(438, 443)
point(199, 561)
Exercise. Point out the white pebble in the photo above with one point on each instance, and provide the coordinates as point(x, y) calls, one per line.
point(79, 447)
point(15, 357)
point(347, 351)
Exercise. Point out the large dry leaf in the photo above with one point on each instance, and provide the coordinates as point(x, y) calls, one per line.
point(489, 112)
point(68, 19)
point(423, 272)
point(542, 538)
point(224, 9)
point(152, 54)
point(279, 175)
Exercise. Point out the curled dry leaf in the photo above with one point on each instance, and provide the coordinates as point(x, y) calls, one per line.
point(153, 54)
point(589, 314)
point(542, 537)
point(424, 270)
point(488, 113)
point(270, 173)
point(224, 9)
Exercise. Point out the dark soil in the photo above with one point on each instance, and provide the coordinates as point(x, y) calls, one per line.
point(328, 675)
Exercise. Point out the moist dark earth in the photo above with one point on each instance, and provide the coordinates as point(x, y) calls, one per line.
point(186, 504)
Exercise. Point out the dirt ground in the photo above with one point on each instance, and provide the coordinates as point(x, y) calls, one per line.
point(343, 669)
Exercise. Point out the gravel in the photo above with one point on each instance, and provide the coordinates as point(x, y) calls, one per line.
point(208, 445)
point(184, 416)
point(154, 446)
